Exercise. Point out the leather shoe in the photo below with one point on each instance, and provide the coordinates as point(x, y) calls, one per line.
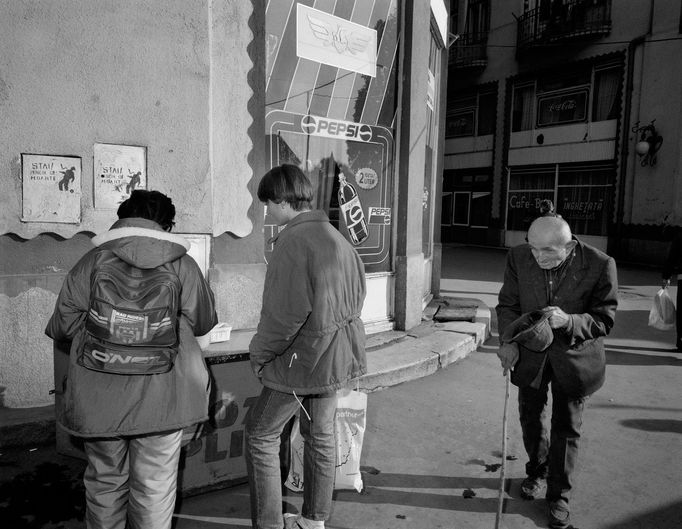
point(559, 516)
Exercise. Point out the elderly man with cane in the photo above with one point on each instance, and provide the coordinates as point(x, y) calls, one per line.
point(557, 302)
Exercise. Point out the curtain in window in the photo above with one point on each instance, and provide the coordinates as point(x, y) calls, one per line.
point(606, 97)
point(524, 101)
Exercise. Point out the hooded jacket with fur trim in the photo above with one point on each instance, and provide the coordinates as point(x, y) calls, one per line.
point(100, 404)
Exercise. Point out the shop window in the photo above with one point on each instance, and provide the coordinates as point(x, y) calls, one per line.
point(481, 204)
point(585, 195)
point(528, 186)
point(461, 208)
point(582, 193)
point(446, 209)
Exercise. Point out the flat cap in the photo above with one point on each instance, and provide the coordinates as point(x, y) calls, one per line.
point(531, 330)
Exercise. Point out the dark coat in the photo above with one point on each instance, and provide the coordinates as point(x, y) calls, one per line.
point(588, 294)
point(310, 337)
point(107, 405)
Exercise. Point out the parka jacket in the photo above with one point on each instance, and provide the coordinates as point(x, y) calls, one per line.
point(587, 292)
point(310, 338)
point(100, 404)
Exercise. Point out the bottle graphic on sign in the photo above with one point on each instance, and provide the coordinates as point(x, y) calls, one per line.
point(350, 206)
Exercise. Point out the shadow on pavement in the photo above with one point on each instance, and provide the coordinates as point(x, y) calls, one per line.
point(48, 494)
point(667, 517)
point(375, 493)
point(654, 425)
point(623, 358)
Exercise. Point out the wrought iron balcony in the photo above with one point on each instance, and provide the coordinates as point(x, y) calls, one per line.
point(469, 51)
point(557, 21)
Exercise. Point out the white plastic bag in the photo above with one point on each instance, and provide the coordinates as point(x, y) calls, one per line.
point(350, 422)
point(662, 313)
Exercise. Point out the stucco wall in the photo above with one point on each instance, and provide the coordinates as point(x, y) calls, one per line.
point(656, 196)
point(176, 77)
point(137, 73)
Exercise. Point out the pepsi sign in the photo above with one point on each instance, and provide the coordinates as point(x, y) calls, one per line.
point(346, 130)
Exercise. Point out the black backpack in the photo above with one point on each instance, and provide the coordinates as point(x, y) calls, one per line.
point(132, 322)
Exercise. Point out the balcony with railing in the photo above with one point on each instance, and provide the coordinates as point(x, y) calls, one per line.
point(469, 51)
point(558, 21)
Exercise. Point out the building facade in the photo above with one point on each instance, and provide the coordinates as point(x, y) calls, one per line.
point(198, 100)
point(577, 101)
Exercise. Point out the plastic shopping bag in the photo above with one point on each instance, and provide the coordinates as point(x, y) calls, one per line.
point(662, 313)
point(349, 424)
point(351, 421)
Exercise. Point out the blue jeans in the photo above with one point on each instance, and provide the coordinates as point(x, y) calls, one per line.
point(552, 454)
point(268, 417)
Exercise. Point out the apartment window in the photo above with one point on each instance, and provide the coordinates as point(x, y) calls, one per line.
point(478, 20)
point(471, 115)
point(487, 107)
point(607, 89)
point(558, 108)
point(565, 98)
point(524, 107)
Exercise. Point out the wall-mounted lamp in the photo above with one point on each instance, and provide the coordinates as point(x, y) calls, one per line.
point(648, 144)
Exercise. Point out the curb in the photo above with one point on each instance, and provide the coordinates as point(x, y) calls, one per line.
point(432, 347)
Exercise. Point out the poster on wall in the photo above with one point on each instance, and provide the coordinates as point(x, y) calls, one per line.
point(349, 165)
point(51, 188)
point(328, 39)
point(118, 171)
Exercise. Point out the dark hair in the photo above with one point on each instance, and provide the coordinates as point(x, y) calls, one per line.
point(151, 205)
point(546, 209)
point(286, 183)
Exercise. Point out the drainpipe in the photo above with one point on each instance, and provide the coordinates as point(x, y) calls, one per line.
point(625, 146)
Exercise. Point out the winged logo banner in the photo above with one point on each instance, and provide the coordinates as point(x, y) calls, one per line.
point(335, 41)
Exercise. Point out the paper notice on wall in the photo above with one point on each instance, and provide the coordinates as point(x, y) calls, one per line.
point(51, 187)
point(118, 171)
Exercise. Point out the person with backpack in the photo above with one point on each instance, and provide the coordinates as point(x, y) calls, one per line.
point(310, 342)
point(131, 308)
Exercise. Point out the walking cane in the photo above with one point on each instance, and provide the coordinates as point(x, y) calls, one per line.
point(500, 497)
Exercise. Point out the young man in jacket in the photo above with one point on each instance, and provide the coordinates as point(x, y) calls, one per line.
point(576, 284)
point(131, 421)
point(310, 342)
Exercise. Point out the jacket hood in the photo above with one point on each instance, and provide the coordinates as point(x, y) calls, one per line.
point(142, 243)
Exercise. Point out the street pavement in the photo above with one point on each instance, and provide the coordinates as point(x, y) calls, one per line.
point(432, 448)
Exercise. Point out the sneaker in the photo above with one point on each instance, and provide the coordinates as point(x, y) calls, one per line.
point(531, 487)
point(297, 521)
point(559, 516)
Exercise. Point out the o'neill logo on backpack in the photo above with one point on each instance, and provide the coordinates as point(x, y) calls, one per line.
point(113, 358)
point(132, 322)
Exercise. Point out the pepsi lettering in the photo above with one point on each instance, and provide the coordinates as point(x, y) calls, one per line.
point(351, 209)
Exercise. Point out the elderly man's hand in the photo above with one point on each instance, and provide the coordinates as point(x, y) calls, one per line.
point(558, 319)
point(508, 353)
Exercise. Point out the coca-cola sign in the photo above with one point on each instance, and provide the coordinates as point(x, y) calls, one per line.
point(566, 107)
